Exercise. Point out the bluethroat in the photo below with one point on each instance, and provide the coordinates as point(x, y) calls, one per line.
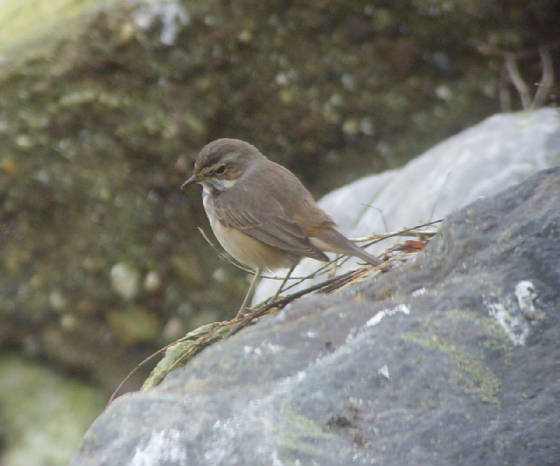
point(261, 213)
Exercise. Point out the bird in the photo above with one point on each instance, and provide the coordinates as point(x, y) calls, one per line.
point(262, 214)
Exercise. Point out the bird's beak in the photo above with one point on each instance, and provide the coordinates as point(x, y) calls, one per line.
point(191, 180)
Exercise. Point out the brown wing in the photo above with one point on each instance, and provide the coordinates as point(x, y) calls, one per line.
point(273, 216)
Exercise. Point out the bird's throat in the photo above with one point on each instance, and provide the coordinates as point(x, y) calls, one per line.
point(216, 186)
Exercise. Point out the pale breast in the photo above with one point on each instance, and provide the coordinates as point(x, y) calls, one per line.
point(245, 249)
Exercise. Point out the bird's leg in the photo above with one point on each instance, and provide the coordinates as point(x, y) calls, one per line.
point(284, 282)
point(249, 292)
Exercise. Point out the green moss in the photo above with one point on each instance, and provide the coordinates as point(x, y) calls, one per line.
point(299, 435)
point(24, 22)
point(134, 325)
point(497, 339)
point(44, 414)
point(469, 374)
point(182, 350)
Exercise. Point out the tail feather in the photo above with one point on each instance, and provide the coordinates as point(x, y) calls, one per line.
point(332, 240)
point(362, 254)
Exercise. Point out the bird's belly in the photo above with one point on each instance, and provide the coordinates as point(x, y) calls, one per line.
point(247, 250)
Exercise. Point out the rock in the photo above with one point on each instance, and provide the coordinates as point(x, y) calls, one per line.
point(152, 282)
point(449, 359)
point(125, 280)
point(97, 107)
point(480, 161)
point(43, 413)
point(134, 325)
point(57, 301)
point(88, 172)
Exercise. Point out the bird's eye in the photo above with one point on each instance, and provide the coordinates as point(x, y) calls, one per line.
point(221, 169)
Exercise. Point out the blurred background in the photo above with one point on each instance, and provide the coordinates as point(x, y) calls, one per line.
point(103, 107)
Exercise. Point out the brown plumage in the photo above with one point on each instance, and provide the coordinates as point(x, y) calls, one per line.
point(261, 213)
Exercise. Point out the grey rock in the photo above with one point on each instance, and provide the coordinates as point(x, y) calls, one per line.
point(125, 280)
point(480, 161)
point(449, 359)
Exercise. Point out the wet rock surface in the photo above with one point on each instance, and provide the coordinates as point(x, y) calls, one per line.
point(449, 359)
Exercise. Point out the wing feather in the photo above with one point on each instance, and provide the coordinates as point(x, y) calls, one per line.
point(265, 218)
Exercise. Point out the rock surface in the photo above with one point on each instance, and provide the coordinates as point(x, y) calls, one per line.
point(496, 153)
point(449, 359)
point(105, 102)
point(43, 414)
